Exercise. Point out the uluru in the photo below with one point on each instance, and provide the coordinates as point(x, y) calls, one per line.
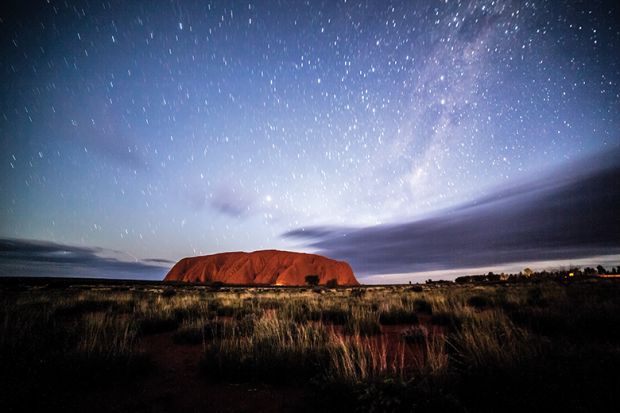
point(268, 267)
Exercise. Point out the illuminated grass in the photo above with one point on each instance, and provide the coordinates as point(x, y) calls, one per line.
point(375, 344)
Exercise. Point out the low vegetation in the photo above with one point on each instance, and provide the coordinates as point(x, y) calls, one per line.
point(460, 347)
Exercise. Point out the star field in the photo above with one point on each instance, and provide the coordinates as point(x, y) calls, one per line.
point(174, 128)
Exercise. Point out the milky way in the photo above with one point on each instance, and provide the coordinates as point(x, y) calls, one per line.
point(157, 130)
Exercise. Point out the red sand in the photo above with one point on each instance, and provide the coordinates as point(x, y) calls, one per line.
point(269, 267)
point(176, 384)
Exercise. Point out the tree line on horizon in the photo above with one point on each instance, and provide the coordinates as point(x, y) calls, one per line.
point(527, 273)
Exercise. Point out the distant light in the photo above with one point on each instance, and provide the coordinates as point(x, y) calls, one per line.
point(268, 198)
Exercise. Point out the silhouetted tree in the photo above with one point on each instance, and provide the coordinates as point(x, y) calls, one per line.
point(601, 270)
point(589, 271)
point(312, 279)
point(333, 283)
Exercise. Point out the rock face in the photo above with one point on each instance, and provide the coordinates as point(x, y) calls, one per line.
point(271, 267)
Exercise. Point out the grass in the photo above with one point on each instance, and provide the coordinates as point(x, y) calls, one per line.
point(525, 346)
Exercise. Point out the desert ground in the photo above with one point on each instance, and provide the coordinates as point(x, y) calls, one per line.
point(78, 345)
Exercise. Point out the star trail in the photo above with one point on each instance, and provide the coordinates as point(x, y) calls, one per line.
point(149, 131)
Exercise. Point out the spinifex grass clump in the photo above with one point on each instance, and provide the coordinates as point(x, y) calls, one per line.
point(190, 332)
point(453, 347)
point(335, 315)
point(447, 320)
point(277, 350)
point(363, 322)
point(46, 351)
point(491, 339)
point(354, 360)
point(479, 302)
point(398, 316)
point(415, 335)
point(106, 336)
point(422, 306)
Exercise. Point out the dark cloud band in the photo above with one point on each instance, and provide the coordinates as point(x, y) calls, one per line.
point(20, 257)
point(570, 213)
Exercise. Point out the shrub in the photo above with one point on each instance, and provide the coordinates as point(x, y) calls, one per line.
point(422, 306)
point(451, 321)
point(216, 285)
point(535, 298)
point(479, 302)
point(358, 292)
point(215, 329)
point(363, 325)
point(188, 312)
point(225, 311)
point(188, 336)
point(270, 304)
point(334, 316)
point(333, 283)
point(312, 279)
point(398, 316)
point(415, 335)
point(168, 293)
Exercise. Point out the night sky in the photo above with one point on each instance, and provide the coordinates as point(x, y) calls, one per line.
point(406, 137)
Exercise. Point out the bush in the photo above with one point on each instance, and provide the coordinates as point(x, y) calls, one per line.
point(216, 285)
point(398, 316)
point(334, 316)
point(358, 292)
point(225, 311)
point(445, 320)
point(422, 306)
point(186, 313)
point(312, 279)
point(535, 298)
point(363, 326)
point(333, 283)
point(479, 302)
point(168, 293)
point(414, 335)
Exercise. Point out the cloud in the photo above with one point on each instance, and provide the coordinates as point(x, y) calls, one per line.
point(231, 202)
point(158, 260)
point(92, 124)
point(570, 213)
point(113, 145)
point(19, 257)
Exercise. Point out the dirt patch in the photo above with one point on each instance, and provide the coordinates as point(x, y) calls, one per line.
point(175, 384)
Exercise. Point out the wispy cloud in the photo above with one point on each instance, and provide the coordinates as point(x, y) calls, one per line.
point(566, 214)
point(93, 125)
point(231, 202)
point(19, 257)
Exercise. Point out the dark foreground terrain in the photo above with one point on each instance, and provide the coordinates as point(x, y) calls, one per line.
point(544, 345)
